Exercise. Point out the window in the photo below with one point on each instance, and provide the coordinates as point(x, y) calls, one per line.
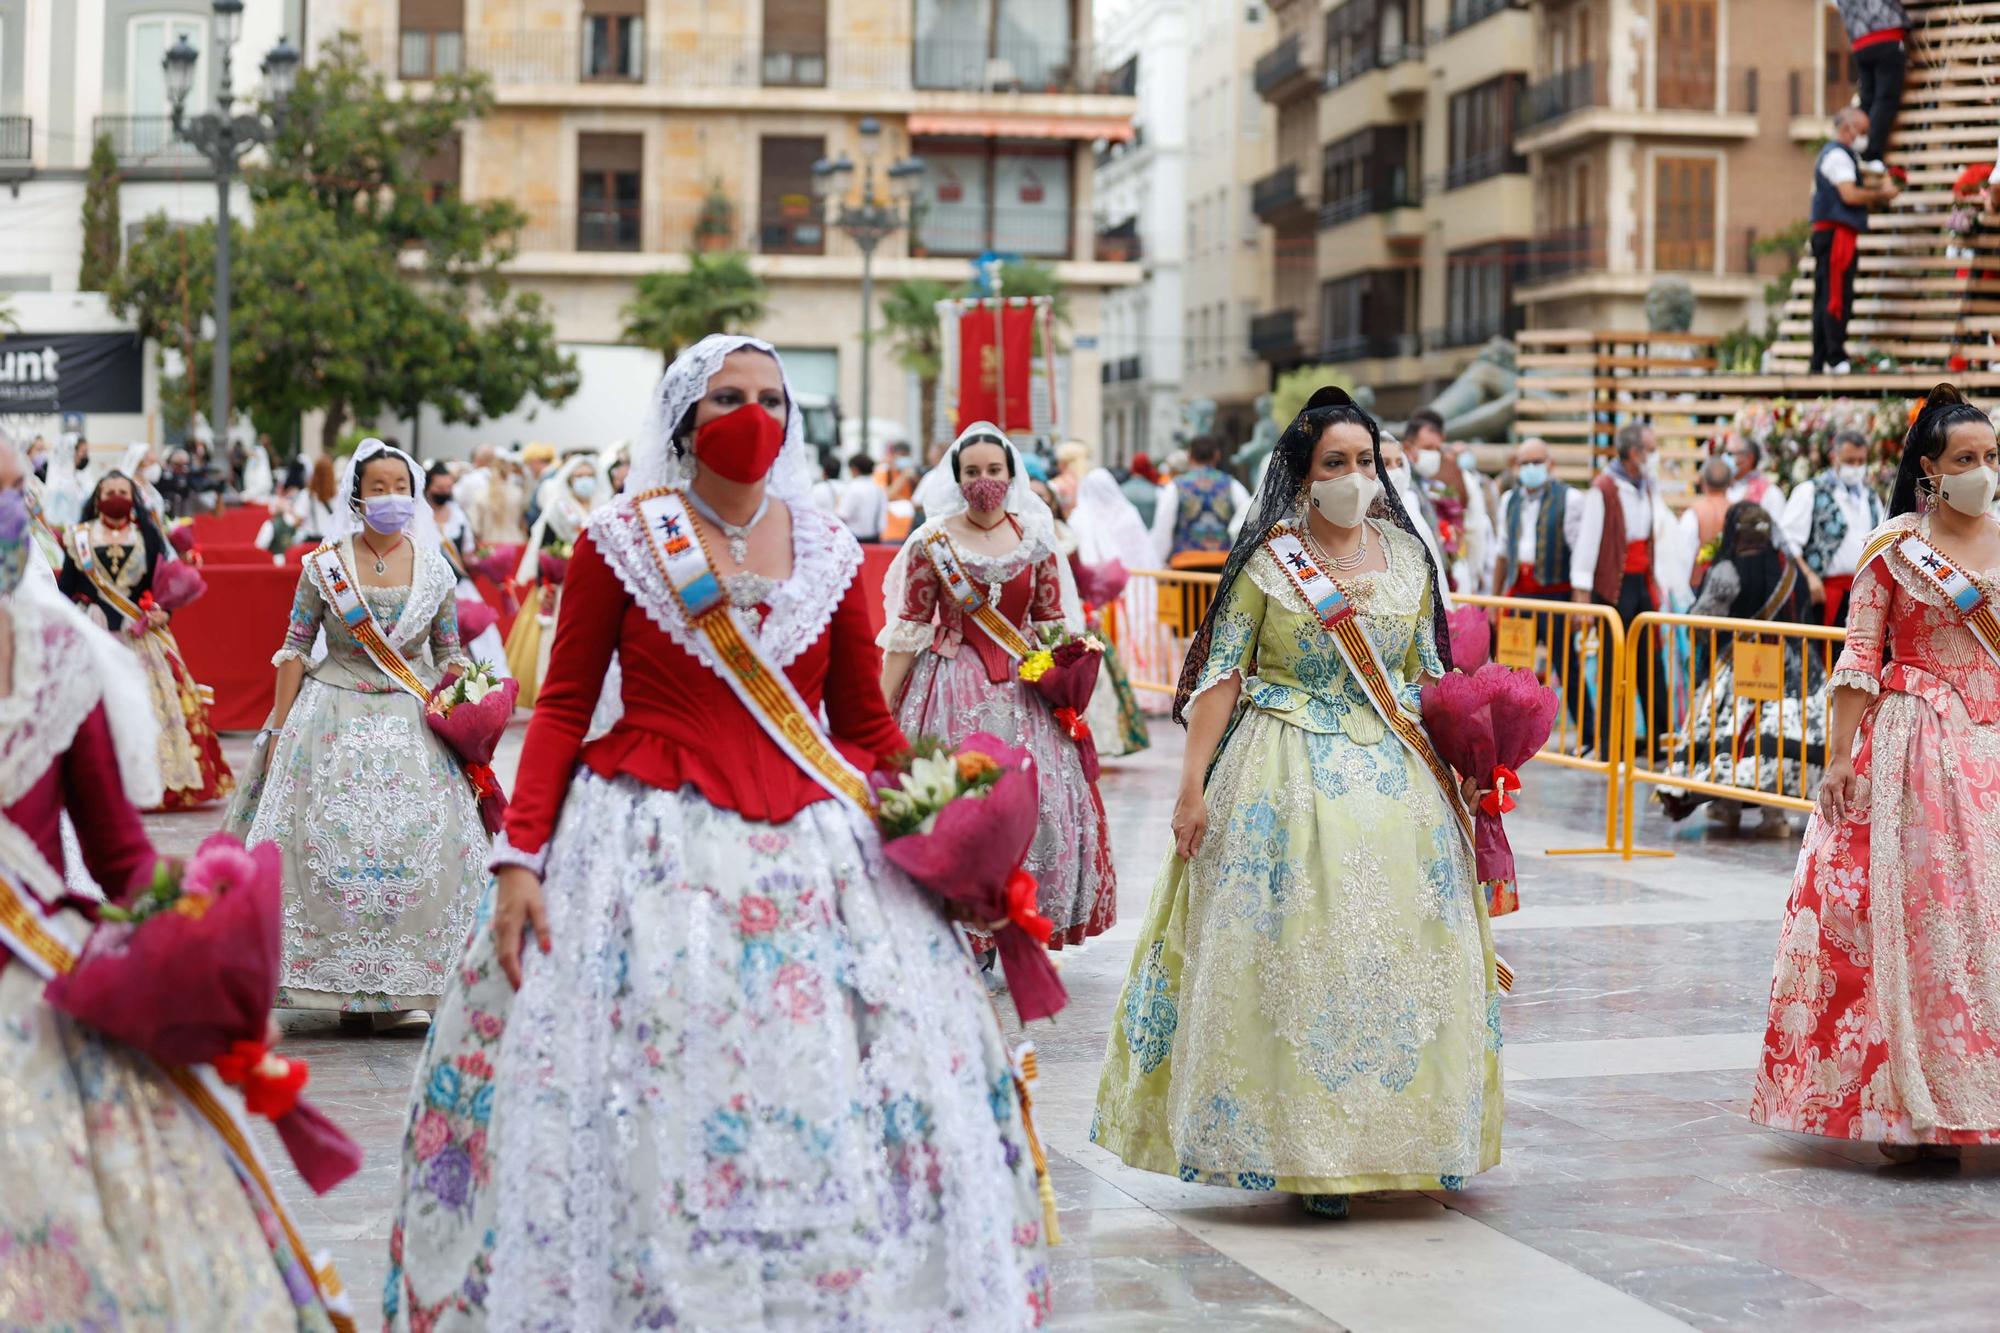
point(1684, 214)
point(147, 43)
point(989, 194)
point(1367, 172)
point(1001, 45)
point(607, 191)
point(1479, 286)
point(789, 223)
point(1367, 314)
point(433, 38)
point(1684, 78)
point(1482, 132)
point(614, 39)
point(439, 173)
point(1351, 40)
point(795, 43)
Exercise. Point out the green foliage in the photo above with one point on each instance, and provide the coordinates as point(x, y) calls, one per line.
point(354, 292)
point(716, 294)
point(1288, 396)
point(716, 222)
point(910, 315)
point(1741, 350)
point(100, 218)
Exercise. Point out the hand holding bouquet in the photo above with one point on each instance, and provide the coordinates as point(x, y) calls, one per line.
point(186, 973)
point(180, 535)
point(470, 712)
point(1487, 725)
point(1064, 672)
point(960, 825)
point(177, 583)
point(554, 563)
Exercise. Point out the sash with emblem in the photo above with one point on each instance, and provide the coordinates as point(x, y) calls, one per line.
point(81, 555)
point(1973, 605)
point(961, 588)
point(683, 561)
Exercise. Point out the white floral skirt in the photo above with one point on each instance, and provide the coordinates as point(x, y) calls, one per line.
point(756, 1084)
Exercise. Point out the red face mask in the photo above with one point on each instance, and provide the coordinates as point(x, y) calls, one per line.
point(741, 446)
point(117, 508)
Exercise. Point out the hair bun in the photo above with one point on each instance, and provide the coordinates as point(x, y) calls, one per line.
point(1328, 395)
point(1942, 394)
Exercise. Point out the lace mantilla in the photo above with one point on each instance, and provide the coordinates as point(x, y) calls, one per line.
point(54, 690)
point(825, 559)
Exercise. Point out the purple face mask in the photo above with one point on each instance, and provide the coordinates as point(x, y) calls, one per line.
point(390, 513)
point(14, 520)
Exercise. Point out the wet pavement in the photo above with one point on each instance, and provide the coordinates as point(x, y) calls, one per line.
point(1632, 1194)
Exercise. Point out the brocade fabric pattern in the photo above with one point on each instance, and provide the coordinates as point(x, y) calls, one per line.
point(1312, 1005)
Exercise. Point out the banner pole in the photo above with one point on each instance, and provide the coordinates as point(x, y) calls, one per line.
point(1000, 348)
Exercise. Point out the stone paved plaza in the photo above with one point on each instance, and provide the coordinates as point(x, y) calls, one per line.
point(1632, 1194)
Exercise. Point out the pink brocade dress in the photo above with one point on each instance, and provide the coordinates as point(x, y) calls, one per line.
point(963, 682)
point(1885, 1005)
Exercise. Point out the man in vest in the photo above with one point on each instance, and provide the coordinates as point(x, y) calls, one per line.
point(1195, 518)
point(1828, 519)
point(1840, 204)
point(1540, 520)
point(1622, 557)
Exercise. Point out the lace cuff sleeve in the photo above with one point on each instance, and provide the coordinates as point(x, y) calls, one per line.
point(504, 854)
point(904, 636)
point(303, 656)
point(1855, 680)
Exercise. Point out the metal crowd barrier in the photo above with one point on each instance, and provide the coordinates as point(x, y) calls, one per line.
point(1744, 715)
point(1155, 618)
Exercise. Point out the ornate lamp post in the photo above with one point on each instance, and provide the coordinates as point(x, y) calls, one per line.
point(223, 137)
point(867, 219)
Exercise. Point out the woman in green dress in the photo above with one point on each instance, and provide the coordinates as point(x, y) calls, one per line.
point(1312, 1005)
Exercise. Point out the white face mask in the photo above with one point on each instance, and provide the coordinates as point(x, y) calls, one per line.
point(585, 487)
point(1851, 474)
point(1861, 144)
point(1398, 477)
point(150, 474)
point(1343, 500)
point(1970, 493)
point(1428, 463)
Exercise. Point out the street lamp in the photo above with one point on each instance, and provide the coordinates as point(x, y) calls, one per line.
point(867, 220)
point(223, 137)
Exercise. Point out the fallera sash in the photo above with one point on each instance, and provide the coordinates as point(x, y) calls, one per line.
point(961, 588)
point(48, 943)
point(1972, 604)
point(678, 550)
point(343, 591)
point(1337, 615)
point(85, 559)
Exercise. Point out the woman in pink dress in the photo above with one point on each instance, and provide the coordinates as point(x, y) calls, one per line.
point(1885, 1006)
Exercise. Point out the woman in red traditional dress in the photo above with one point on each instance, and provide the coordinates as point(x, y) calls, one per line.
point(119, 1206)
point(750, 1078)
point(110, 560)
point(1885, 1006)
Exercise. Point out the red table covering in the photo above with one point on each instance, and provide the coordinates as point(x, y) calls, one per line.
point(228, 637)
point(232, 527)
point(875, 560)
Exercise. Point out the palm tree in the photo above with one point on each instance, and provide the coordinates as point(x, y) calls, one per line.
point(717, 294)
point(910, 316)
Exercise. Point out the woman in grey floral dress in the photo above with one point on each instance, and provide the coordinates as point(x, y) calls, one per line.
point(385, 855)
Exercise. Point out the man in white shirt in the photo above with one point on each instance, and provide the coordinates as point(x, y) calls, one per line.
point(1540, 520)
point(1199, 512)
point(1827, 522)
point(1396, 476)
point(863, 503)
point(1839, 214)
point(1752, 483)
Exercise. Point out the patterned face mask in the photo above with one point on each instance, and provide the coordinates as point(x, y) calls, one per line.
point(14, 538)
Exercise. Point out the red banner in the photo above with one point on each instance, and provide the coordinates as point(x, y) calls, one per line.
point(982, 361)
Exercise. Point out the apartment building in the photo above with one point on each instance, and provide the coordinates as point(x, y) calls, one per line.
point(1142, 203)
point(632, 132)
point(1666, 139)
point(72, 70)
point(1398, 204)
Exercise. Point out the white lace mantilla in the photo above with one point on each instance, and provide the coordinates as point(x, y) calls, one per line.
point(825, 559)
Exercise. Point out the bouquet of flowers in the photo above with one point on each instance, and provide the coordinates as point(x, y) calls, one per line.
point(1471, 637)
point(555, 562)
point(469, 712)
point(960, 825)
point(1099, 585)
point(1487, 725)
point(495, 564)
point(1064, 671)
point(475, 617)
point(176, 583)
point(181, 535)
point(1451, 524)
point(186, 973)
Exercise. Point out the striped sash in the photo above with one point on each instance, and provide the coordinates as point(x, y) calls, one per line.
point(85, 559)
point(963, 590)
point(678, 551)
point(1972, 604)
point(343, 592)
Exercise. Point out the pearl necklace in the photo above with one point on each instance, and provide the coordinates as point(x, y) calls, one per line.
point(738, 535)
point(1344, 563)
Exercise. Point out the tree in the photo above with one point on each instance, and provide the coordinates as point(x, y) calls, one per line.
point(716, 294)
point(1289, 394)
point(910, 316)
point(357, 292)
point(100, 218)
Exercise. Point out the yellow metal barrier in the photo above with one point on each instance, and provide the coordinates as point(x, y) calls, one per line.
point(1721, 684)
point(1579, 650)
point(1157, 615)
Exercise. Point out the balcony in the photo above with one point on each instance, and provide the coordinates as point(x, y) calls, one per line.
point(1690, 99)
point(1559, 254)
point(1285, 73)
point(149, 143)
point(1399, 194)
point(1124, 370)
point(1276, 198)
point(1119, 243)
point(1562, 94)
point(17, 147)
point(607, 226)
point(1482, 166)
point(1465, 13)
point(1275, 336)
point(1471, 332)
point(524, 58)
point(791, 231)
point(1368, 346)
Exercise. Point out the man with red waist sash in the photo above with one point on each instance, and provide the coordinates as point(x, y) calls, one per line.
point(1539, 522)
point(1616, 558)
point(1840, 204)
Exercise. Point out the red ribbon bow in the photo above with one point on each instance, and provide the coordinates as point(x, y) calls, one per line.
point(271, 1084)
point(1022, 908)
point(1072, 723)
point(1501, 799)
point(482, 778)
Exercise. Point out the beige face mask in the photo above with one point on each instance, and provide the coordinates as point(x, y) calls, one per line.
point(1343, 500)
point(1970, 493)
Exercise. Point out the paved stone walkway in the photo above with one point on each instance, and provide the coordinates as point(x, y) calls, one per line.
point(1632, 1195)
